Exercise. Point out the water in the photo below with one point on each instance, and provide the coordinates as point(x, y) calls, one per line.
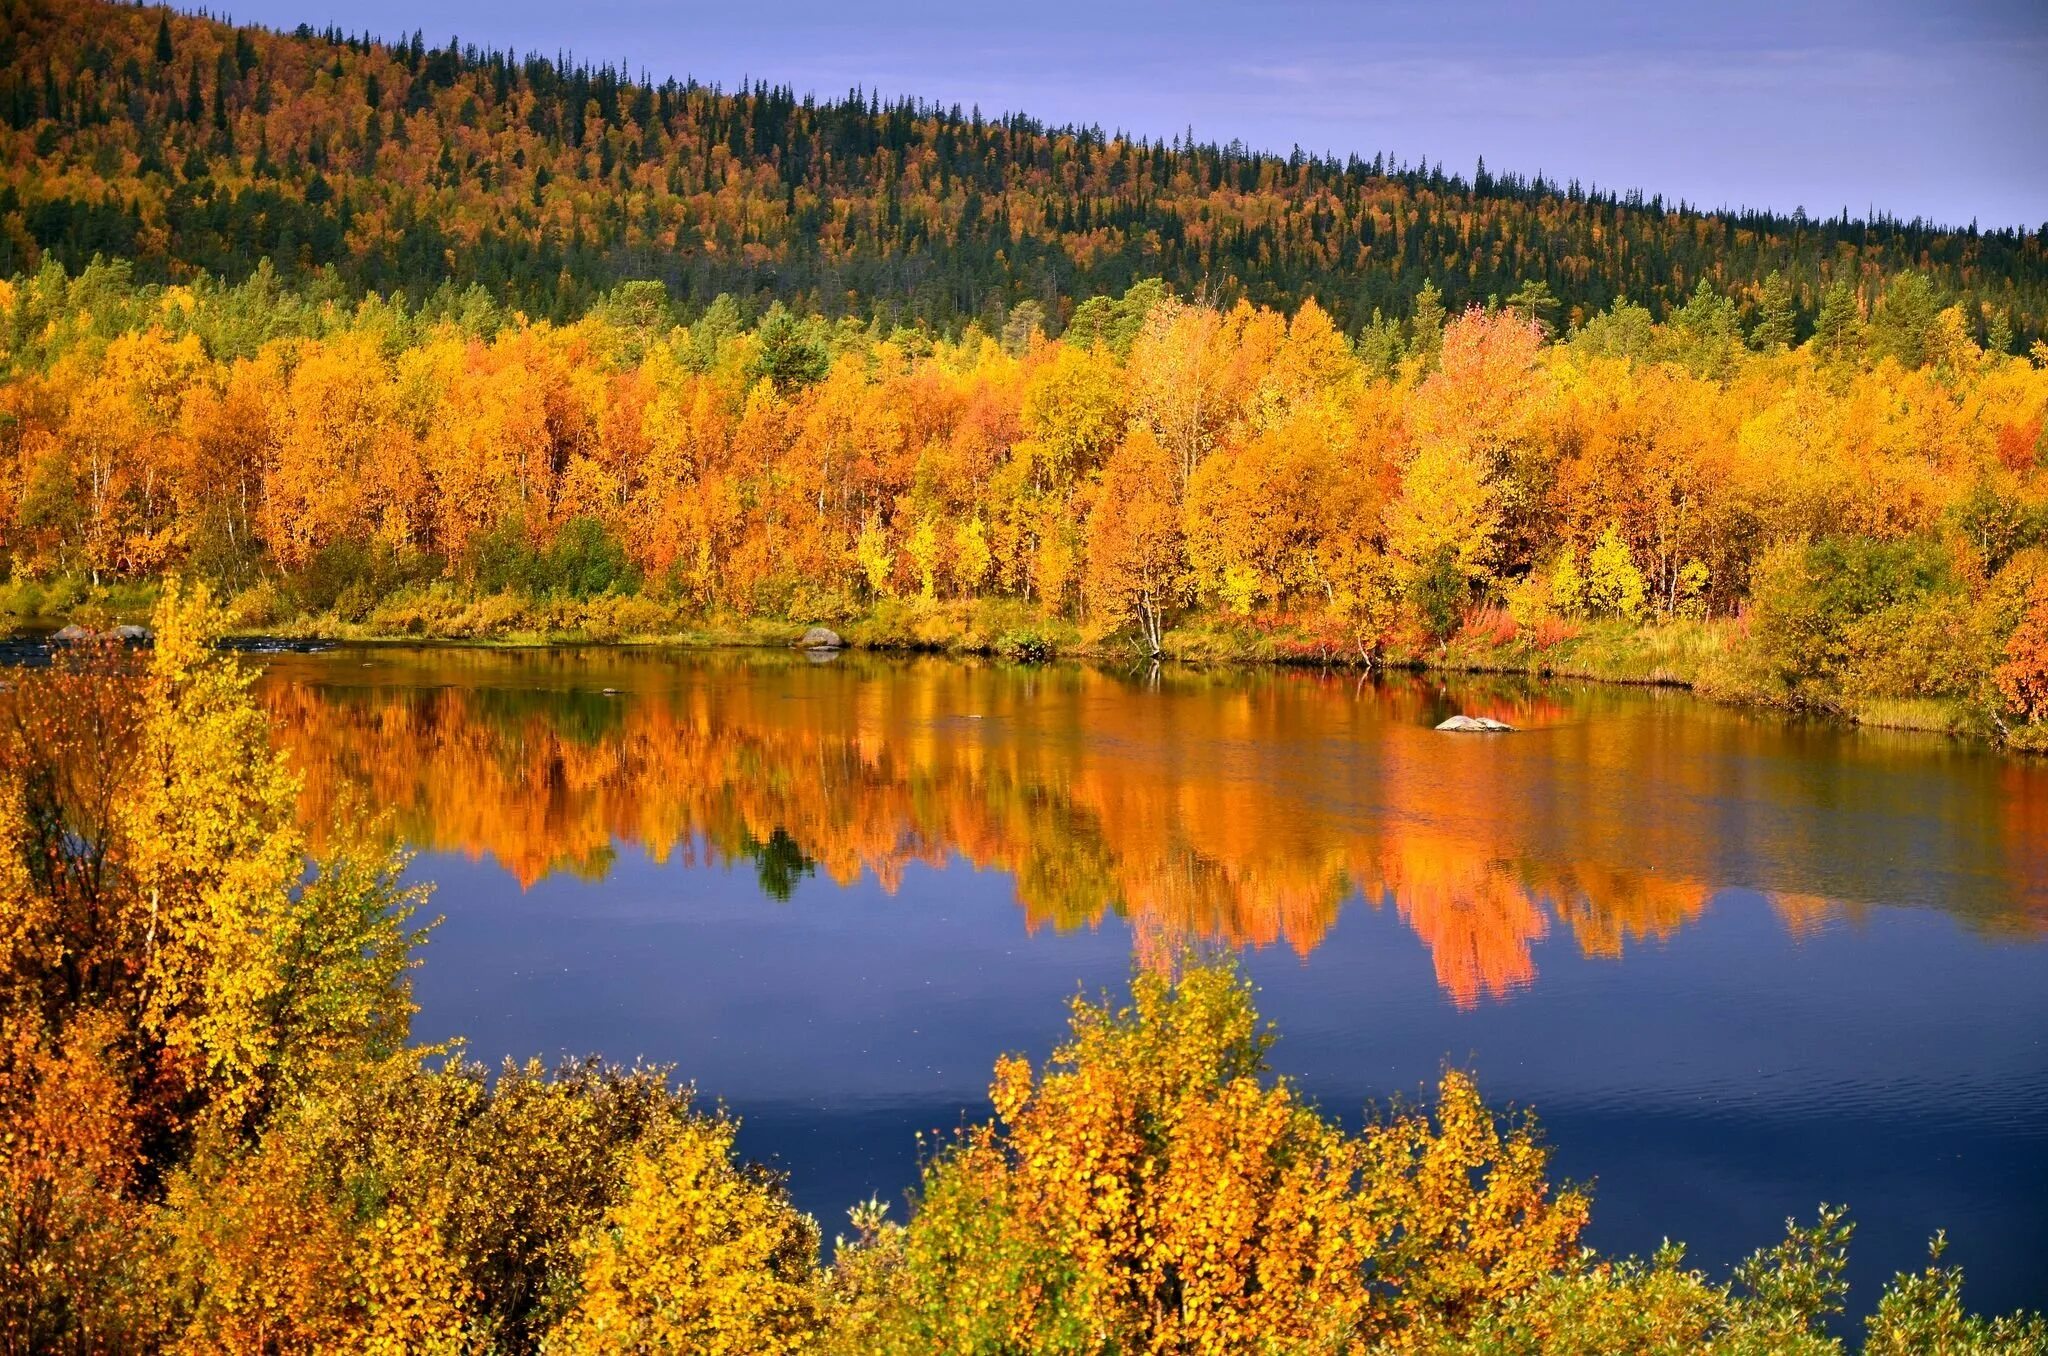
point(1739, 966)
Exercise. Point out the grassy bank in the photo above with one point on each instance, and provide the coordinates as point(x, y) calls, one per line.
point(1713, 659)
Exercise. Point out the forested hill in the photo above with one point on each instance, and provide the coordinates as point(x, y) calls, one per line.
point(186, 145)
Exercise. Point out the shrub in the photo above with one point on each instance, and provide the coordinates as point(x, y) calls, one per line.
point(1805, 599)
point(698, 1255)
point(401, 1206)
point(1437, 592)
point(1152, 1190)
point(1614, 586)
point(261, 604)
point(70, 1231)
point(230, 560)
point(349, 578)
point(1925, 646)
point(499, 560)
point(1491, 624)
point(1025, 647)
point(583, 560)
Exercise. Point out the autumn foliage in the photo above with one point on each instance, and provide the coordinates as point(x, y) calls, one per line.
point(2023, 677)
point(698, 1254)
point(1880, 524)
point(1149, 1191)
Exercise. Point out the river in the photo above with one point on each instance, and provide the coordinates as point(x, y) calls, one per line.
point(1738, 965)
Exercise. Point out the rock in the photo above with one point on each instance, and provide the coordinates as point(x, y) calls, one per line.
point(820, 638)
point(131, 634)
point(1475, 725)
point(73, 634)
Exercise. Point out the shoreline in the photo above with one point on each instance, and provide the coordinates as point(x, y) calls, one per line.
point(1639, 657)
point(1700, 658)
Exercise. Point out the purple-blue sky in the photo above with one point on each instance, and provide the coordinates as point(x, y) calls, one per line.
point(1931, 109)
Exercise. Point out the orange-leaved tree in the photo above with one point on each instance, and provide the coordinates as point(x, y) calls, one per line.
point(1135, 564)
point(2023, 677)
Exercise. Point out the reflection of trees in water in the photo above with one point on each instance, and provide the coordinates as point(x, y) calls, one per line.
point(2023, 799)
point(778, 863)
point(1241, 808)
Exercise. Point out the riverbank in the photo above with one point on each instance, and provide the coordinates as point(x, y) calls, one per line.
point(1711, 658)
point(1708, 658)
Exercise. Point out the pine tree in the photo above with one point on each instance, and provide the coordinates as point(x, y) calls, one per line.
point(1838, 331)
point(1426, 322)
point(1998, 337)
point(1533, 301)
point(1904, 321)
point(1774, 330)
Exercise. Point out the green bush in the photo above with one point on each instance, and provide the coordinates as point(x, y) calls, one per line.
point(349, 577)
point(1438, 593)
point(1806, 601)
point(1926, 646)
point(1998, 524)
point(223, 556)
point(1025, 647)
point(583, 561)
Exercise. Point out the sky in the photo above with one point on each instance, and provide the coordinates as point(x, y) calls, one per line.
point(1933, 110)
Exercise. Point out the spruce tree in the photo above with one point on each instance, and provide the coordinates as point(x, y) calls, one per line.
point(1775, 324)
point(1838, 331)
point(1426, 321)
point(1998, 337)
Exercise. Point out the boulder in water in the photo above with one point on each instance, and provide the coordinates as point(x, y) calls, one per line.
point(820, 638)
point(131, 634)
point(73, 634)
point(1475, 725)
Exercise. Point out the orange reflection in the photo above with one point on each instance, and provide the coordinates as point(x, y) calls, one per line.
point(1238, 809)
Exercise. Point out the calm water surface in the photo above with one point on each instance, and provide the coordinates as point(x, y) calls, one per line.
point(1738, 966)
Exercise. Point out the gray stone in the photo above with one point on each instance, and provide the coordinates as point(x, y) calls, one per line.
point(820, 638)
point(73, 634)
point(131, 634)
point(1475, 725)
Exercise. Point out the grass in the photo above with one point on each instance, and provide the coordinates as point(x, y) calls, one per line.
point(1933, 715)
point(1673, 653)
point(69, 598)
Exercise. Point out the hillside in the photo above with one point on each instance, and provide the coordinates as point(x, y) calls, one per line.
point(188, 145)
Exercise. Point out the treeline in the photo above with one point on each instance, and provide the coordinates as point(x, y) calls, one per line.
point(215, 1136)
point(1871, 506)
point(186, 144)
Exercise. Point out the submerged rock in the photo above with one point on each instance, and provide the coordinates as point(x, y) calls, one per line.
point(820, 638)
point(1475, 725)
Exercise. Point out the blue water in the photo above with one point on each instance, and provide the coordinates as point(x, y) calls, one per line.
point(1708, 1088)
point(1885, 1046)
